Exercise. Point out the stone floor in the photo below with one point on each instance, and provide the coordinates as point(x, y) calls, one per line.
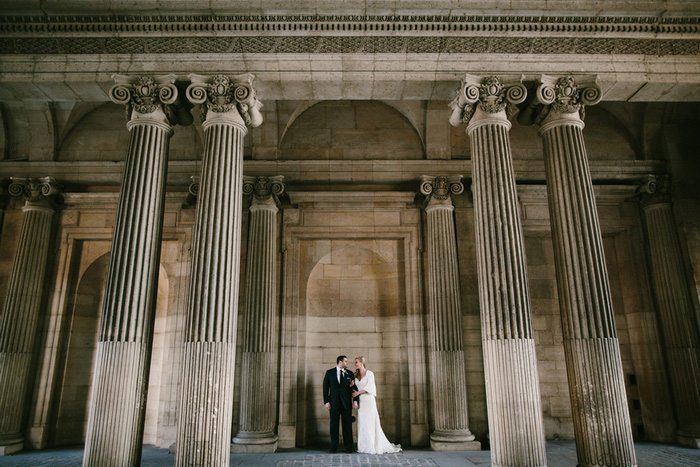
point(559, 453)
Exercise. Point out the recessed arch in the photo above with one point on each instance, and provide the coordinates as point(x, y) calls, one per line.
point(351, 130)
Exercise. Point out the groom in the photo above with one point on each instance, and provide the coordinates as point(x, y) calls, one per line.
point(337, 395)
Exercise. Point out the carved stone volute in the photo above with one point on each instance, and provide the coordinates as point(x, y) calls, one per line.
point(655, 189)
point(222, 94)
point(37, 192)
point(146, 97)
point(490, 94)
point(565, 95)
point(265, 190)
point(438, 190)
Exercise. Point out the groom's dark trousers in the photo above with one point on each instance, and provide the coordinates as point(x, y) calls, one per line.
point(339, 395)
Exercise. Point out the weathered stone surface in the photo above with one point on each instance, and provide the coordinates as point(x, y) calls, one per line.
point(20, 313)
point(256, 428)
point(123, 354)
point(674, 306)
point(593, 362)
point(512, 386)
point(206, 392)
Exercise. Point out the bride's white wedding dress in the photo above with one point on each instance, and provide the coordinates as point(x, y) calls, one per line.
point(370, 437)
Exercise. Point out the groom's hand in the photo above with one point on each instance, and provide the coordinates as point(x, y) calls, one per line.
point(328, 407)
point(355, 405)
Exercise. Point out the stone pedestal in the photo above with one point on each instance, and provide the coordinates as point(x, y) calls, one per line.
point(206, 393)
point(123, 355)
point(675, 308)
point(20, 312)
point(258, 414)
point(512, 384)
point(447, 375)
point(593, 363)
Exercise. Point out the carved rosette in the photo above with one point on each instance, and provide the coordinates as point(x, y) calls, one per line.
point(490, 94)
point(265, 190)
point(145, 95)
point(440, 189)
point(566, 95)
point(655, 189)
point(222, 94)
point(36, 191)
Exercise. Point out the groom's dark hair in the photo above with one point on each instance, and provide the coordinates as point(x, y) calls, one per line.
point(340, 359)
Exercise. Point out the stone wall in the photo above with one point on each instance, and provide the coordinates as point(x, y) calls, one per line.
point(358, 269)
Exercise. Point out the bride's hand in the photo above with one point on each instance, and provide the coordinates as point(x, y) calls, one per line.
point(355, 394)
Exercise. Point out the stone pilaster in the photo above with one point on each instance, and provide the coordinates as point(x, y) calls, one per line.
point(447, 375)
point(512, 383)
point(120, 383)
point(20, 312)
point(675, 307)
point(206, 392)
point(258, 414)
point(593, 363)
point(2, 204)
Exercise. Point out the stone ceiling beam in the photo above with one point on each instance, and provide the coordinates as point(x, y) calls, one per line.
point(636, 78)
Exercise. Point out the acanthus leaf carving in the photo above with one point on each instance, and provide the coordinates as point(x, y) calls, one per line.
point(491, 94)
point(441, 188)
point(264, 189)
point(566, 95)
point(145, 95)
point(221, 94)
point(34, 190)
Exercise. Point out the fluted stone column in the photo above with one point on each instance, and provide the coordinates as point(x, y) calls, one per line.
point(123, 355)
point(256, 429)
point(20, 312)
point(512, 383)
point(448, 379)
point(206, 391)
point(675, 307)
point(2, 205)
point(593, 363)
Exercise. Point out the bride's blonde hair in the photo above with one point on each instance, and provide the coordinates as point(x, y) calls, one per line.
point(358, 376)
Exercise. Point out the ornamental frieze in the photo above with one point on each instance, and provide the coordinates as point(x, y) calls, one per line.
point(347, 44)
point(286, 24)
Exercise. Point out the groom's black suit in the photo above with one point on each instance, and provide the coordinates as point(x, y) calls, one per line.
point(339, 395)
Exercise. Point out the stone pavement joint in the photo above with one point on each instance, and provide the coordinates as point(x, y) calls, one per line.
point(561, 453)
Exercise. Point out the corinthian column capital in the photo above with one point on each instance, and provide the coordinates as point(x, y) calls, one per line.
point(147, 99)
point(265, 190)
point(563, 99)
point(37, 192)
point(655, 189)
point(440, 189)
point(226, 98)
point(491, 99)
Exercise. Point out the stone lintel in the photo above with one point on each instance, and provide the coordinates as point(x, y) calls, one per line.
point(331, 172)
point(402, 76)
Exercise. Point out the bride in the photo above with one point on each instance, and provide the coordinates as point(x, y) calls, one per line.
point(370, 437)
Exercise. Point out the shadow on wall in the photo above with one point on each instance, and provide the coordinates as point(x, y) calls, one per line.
point(74, 394)
point(354, 307)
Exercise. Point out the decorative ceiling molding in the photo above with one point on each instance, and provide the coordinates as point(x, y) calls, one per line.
point(347, 45)
point(286, 25)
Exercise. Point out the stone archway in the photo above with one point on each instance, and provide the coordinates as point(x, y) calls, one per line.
point(355, 305)
point(74, 393)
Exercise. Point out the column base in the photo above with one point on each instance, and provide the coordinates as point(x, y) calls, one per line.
point(688, 441)
point(453, 440)
point(420, 435)
point(11, 445)
point(252, 442)
point(287, 436)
